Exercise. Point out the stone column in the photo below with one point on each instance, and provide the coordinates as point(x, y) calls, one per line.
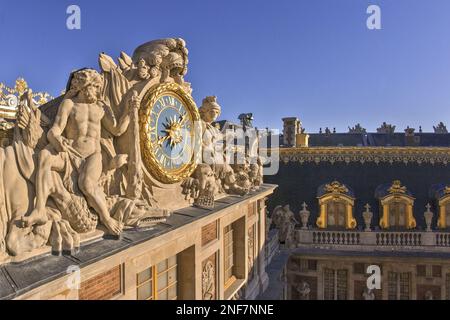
point(261, 259)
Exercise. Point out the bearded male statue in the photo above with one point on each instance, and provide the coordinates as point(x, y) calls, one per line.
point(74, 149)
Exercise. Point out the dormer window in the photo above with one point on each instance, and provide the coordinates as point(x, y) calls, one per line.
point(336, 202)
point(396, 206)
point(442, 196)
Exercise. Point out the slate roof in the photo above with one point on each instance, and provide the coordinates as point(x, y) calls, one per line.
point(337, 139)
point(299, 182)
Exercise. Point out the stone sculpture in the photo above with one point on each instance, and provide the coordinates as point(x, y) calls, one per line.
point(304, 216)
point(246, 120)
point(368, 294)
point(440, 128)
point(75, 164)
point(386, 128)
point(238, 178)
point(303, 290)
point(208, 281)
point(285, 222)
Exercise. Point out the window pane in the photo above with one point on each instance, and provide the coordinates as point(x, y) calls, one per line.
point(342, 284)
point(437, 271)
point(144, 275)
point(145, 291)
point(162, 295)
point(172, 275)
point(172, 292)
point(162, 281)
point(162, 266)
point(328, 284)
point(404, 286)
point(392, 286)
point(172, 261)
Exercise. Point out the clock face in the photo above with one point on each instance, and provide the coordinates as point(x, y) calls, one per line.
point(168, 137)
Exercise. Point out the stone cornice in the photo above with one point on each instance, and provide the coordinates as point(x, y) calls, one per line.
point(418, 155)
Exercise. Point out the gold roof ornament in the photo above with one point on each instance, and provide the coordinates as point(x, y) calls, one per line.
point(447, 190)
point(335, 187)
point(9, 98)
point(397, 187)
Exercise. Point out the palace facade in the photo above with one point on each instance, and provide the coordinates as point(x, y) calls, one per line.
point(361, 199)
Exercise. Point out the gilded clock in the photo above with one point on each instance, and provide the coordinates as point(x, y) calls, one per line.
point(169, 122)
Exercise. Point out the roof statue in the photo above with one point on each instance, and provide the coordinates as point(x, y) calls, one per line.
point(440, 128)
point(386, 128)
point(121, 148)
point(357, 129)
point(246, 120)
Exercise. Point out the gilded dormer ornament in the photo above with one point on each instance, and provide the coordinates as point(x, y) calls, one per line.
point(9, 98)
point(336, 187)
point(397, 187)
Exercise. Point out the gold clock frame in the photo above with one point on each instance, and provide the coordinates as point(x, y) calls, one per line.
point(148, 156)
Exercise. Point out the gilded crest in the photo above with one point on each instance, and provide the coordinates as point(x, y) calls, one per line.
point(336, 187)
point(397, 187)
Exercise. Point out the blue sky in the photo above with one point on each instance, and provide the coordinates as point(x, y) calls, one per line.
point(314, 59)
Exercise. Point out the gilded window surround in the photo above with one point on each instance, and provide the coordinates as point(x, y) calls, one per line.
point(419, 155)
point(397, 197)
point(442, 203)
point(350, 221)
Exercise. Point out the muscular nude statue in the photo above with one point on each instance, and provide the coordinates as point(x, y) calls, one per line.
point(75, 143)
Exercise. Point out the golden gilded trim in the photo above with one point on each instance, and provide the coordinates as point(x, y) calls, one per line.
point(9, 98)
point(336, 191)
point(397, 187)
point(336, 187)
point(419, 155)
point(410, 222)
point(149, 159)
point(443, 202)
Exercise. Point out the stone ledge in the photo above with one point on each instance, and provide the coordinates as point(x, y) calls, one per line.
point(19, 278)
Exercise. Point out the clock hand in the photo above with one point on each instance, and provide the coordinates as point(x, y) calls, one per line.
point(183, 119)
point(162, 139)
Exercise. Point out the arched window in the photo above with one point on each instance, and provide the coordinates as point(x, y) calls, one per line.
point(336, 203)
point(396, 207)
point(447, 214)
point(336, 210)
point(397, 214)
